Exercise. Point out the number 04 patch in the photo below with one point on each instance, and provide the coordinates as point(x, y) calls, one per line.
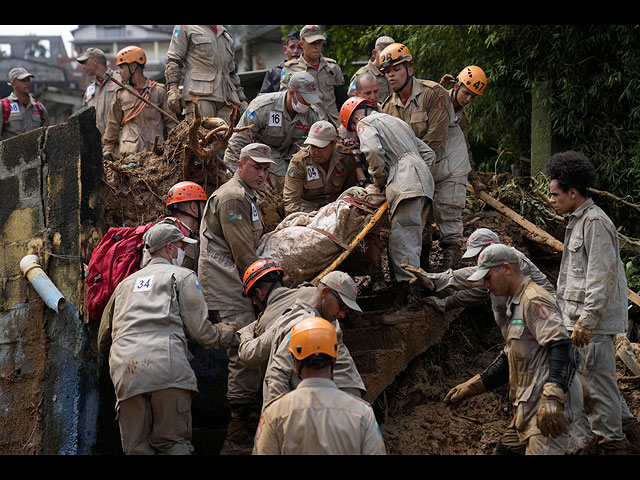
point(143, 284)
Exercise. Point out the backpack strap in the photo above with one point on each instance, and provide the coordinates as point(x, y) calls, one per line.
point(6, 109)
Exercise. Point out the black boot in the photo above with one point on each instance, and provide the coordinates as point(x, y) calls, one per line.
point(425, 262)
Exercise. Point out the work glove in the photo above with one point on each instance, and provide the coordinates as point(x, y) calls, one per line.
point(420, 276)
point(228, 335)
point(581, 335)
point(472, 387)
point(174, 101)
point(550, 416)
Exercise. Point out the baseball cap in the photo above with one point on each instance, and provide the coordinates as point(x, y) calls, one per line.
point(91, 53)
point(161, 234)
point(258, 152)
point(19, 73)
point(321, 134)
point(311, 33)
point(493, 256)
point(478, 240)
point(342, 284)
point(305, 85)
point(383, 42)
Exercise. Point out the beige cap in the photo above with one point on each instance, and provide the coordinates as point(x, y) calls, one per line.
point(305, 85)
point(19, 73)
point(162, 234)
point(311, 33)
point(321, 134)
point(91, 53)
point(478, 240)
point(342, 284)
point(493, 256)
point(383, 42)
point(258, 152)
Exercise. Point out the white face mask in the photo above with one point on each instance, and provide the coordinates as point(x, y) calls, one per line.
point(181, 254)
point(298, 106)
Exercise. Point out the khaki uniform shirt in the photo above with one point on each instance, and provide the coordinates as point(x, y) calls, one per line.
point(100, 96)
point(318, 419)
point(307, 186)
point(328, 76)
point(272, 126)
point(384, 89)
point(205, 64)
point(592, 286)
point(146, 324)
point(23, 119)
point(429, 112)
point(533, 320)
point(281, 375)
point(230, 232)
point(398, 160)
point(139, 134)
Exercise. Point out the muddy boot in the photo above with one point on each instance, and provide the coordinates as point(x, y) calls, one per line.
point(425, 262)
point(240, 431)
point(413, 302)
point(620, 447)
point(410, 307)
point(632, 432)
point(378, 284)
point(450, 257)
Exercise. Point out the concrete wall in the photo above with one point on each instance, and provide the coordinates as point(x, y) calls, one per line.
point(49, 368)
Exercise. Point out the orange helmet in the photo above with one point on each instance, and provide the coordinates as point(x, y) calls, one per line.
point(473, 78)
point(131, 54)
point(256, 271)
point(394, 54)
point(347, 109)
point(311, 336)
point(186, 192)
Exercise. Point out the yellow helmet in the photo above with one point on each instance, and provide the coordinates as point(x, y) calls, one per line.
point(473, 78)
point(394, 54)
point(131, 54)
point(311, 336)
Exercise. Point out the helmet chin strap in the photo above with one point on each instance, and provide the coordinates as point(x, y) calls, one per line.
point(406, 67)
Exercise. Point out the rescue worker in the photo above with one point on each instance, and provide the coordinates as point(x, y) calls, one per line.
point(539, 361)
point(460, 292)
point(317, 418)
point(373, 67)
point(427, 108)
point(333, 298)
point(469, 84)
point(132, 125)
point(21, 111)
point(592, 294)
point(201, 57)
point(399, 164)
point(144, 328)
point(292, 50)
point(326, 71)
point(185, 203)
point(263, 284)
point(320, 172)
point(281, 120)
point(101, 92)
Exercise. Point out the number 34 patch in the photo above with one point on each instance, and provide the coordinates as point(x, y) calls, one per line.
point(143, 284)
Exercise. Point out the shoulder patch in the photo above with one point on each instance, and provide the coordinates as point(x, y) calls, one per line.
point(543, 312)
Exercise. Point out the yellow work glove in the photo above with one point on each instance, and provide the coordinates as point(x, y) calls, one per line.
point(550, 416)
point(581, 334)
point(468, 389)
point(421, 276)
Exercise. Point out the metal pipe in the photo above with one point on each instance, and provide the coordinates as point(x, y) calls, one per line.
point(33, 272)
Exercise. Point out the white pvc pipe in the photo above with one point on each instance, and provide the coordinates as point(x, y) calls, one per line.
point(32, 270)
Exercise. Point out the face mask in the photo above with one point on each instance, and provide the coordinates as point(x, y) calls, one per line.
point(178, 261)
point(299, 107)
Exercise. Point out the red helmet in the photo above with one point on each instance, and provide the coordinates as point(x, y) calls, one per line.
point(186, 192)
point(256, 271)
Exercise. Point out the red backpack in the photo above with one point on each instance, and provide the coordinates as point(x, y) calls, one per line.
point(117, 256)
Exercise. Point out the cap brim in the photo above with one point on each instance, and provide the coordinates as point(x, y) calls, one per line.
point(313, 38)
point(479, 274)
point(317, 142)
point(471, 252)
point(350, 303)
point(262, 160)
point(311, 98)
